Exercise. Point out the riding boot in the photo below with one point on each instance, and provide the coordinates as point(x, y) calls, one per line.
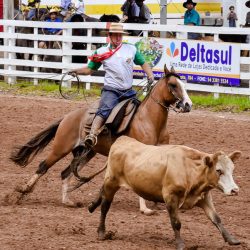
point(91, 138)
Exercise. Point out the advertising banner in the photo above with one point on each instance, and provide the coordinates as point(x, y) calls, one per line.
point(195, 61)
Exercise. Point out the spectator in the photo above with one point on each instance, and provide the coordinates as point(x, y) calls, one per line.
point(191, 17)
point(129, 9)
point(65, 6)
point(135, 11)
point(117, 59)
point(79, 6)
point(32, 4)
point(51, 31)
point(232, 17)
point(144, 14)
point(248, 4)
point(25, 11)
point(247, 24)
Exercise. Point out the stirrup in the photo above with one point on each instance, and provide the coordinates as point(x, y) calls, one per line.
point(90, 140)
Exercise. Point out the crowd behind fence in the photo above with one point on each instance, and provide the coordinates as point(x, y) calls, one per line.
point(11, 65)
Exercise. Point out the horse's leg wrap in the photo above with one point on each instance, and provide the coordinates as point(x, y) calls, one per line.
point(42, 169)
point(67, 171)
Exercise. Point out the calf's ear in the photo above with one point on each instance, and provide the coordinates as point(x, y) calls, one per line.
point(235, 155)
point(211, 161)
point(208, 161)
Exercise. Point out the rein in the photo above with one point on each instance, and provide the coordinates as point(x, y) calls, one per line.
point(161, 103)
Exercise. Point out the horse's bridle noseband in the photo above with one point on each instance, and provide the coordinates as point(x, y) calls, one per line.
point(170, 90)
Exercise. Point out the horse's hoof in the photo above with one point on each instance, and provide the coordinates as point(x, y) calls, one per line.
point(148, 212)
point(180, 246)
point(101, 235)
point(106, 236)
point(72, 204)
point(91, 207)
point(232, 241)
point(13, 198)
point(20, 189)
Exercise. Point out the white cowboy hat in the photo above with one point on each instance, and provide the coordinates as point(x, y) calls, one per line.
point(53, 11)
point(116, 28)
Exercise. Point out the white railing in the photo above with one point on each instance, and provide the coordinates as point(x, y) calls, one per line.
point(10, 62)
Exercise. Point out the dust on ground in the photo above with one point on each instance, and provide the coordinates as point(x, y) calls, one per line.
point(41, 222)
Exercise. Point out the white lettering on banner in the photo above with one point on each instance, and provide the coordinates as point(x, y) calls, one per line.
point(211, 67)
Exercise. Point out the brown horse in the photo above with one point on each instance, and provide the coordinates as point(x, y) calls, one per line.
point(147, 127)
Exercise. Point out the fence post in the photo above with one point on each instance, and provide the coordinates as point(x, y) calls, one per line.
point(89, 34)
point(66, 58)
point(163, 16)
point(35, 55)
point(10, 55)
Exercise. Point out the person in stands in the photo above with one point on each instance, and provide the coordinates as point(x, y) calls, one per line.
point(25, 11)
point(232, 17)
point(247, 24)
point(129, 9)
point(51, 31)
point(65, 6)
point(135, 11)
point(33, 5)
point(117, 59)
point(79, 6)
point(191, 17)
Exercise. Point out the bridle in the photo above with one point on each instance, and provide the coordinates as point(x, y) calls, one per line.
point(178, 99)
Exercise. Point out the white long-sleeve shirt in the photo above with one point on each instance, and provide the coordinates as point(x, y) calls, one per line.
point(80, 7)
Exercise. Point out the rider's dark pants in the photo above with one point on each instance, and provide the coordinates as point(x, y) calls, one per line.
point(110, 98)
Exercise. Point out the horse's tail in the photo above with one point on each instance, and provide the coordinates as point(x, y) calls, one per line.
point(21, 155)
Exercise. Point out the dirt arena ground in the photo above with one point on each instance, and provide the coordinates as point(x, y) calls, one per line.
point(41, 222)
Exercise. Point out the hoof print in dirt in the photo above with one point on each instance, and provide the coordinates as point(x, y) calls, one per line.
point(79, 204)
point(13, 198)
point(20, 189)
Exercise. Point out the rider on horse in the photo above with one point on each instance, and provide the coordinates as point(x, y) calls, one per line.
point(117, 59)
point(32, 4)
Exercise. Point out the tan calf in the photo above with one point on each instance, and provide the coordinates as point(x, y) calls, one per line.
point(177, 175)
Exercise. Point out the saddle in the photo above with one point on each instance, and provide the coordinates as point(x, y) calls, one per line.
point(119, 119)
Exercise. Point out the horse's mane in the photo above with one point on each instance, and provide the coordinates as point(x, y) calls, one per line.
point(152, 87)
point(109, 18)
point(76, 18)
point(149, 90)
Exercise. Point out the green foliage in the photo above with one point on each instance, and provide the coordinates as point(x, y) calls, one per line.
point(232, 103)
point(44, 88)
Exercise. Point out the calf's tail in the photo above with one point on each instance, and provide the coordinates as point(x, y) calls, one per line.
point(22, 155)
